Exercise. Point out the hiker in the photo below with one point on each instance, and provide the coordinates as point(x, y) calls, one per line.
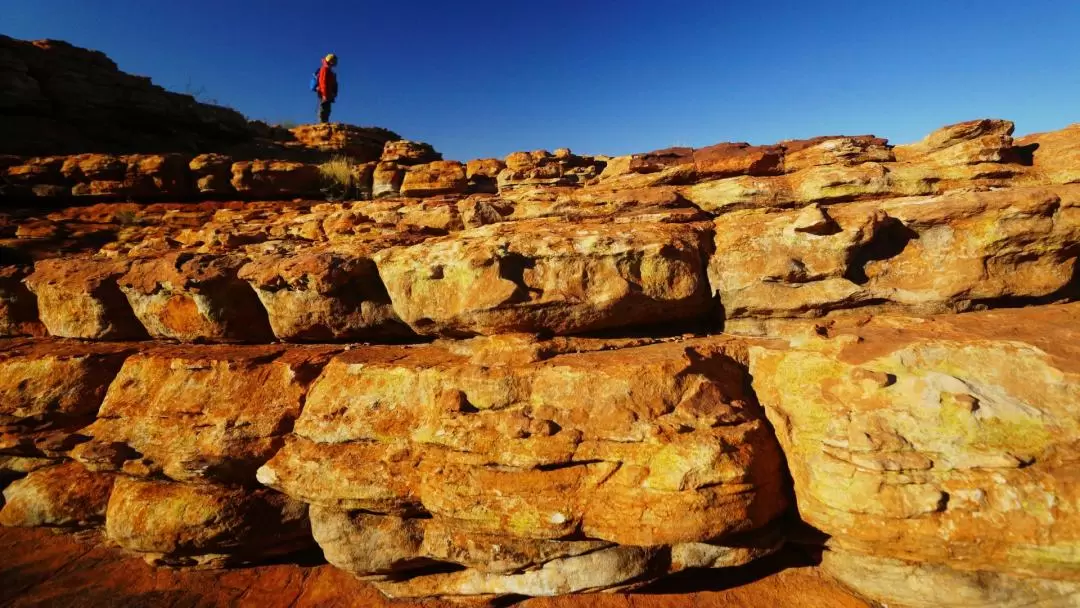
point(326, 86)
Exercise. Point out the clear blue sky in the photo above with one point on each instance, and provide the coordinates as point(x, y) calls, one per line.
point(484, 78)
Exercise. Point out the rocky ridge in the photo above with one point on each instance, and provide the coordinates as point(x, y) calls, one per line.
point(551, 373)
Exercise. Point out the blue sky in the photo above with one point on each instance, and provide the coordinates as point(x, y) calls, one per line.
point(483, 78)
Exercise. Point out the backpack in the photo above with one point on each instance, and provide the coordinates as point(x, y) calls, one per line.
point(315, 81)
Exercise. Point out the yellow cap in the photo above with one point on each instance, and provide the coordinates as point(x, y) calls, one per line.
point(331, 58)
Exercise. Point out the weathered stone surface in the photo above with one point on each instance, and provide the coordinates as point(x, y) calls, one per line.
point(49, 390)
point(275, 179)
point(1057, 155)
point(521, 449)
point(920, 585)
point(367, 544)
point(387, 179)
point(925, 439)
point(360, 144)
point(431, 179)
point(405, 152)
point(324, 294)
point(195, 297)
point(80, 298)
point(841, 149)
point(547, 276)
point(590, 572)
point(211, 413)
point(483, 173)
point(64, 495)
point(203, 525)
point(922, 255)
point(541, 168)
point(132, 176)
point(965, 143)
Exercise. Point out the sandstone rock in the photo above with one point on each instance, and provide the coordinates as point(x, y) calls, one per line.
point(1057, 155)
point(965, 143)
point(203, 525)
point(15, 467)
point(841, 149)
point(195, 297)
point(919, 585)
point(923, 440)
point(541, 168)
point(405, 152)
point(275, 179)
point(212, 173)
point(53, 388)
point(18, 306)
point(64, 495)
point(583, 573)
point(78, 297)
point(387, 179)
point(924, 255)
point(366, 544)
point(209, 413)
point(546, 276)
point(726, 160)
point(324, 294)
point(482, 174)
point(657, 204)
point(495, 553)
point(521, 450)
point(361, 145)
point(431, 179)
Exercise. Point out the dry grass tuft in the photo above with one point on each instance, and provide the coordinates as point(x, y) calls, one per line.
point(339, 178)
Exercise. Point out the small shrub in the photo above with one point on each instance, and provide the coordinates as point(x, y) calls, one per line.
point(339, 179)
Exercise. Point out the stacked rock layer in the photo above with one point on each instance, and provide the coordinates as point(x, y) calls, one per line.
point(553, 373)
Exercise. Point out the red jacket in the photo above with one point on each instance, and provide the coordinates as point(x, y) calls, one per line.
point(327, 82)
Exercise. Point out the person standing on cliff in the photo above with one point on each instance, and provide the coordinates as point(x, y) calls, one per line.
point(327, 87)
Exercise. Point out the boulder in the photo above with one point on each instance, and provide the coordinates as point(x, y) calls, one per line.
point(547, 276)
point(64, 495)
point(204, 525)
point(275, 179)
point(212, 174)
point(520, 449)
point(922, 255)
point(78, 297)
point(405, 152)
point(439, 177)
point(387, 179)
point(1056, 155)
point(195, 297)
point(324, 294)
point(923, 439)
point(966, 143)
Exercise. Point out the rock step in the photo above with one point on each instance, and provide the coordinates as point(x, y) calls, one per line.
point(390, 271)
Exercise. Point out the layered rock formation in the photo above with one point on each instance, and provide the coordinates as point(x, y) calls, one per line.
point(552, 373)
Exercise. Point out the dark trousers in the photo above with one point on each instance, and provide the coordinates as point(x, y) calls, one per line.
point(324, 110)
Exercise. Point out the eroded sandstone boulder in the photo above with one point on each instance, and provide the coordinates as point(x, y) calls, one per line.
point(78, 297)
point(514, 470)
point(192, 297)
point(204, 525)
point(64, 495)
point(324, 294)
point(545, 276)
point(944, 441)
point(921, 255)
